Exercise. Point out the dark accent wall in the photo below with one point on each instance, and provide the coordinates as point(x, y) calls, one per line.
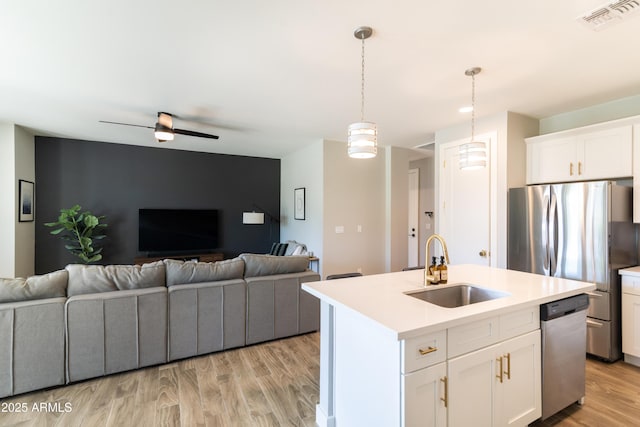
point(116, 180)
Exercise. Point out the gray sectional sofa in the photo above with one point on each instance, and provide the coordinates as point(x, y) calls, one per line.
point(88, 320)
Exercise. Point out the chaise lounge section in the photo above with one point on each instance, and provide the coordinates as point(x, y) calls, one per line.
point(32, 337)
point(88, 321)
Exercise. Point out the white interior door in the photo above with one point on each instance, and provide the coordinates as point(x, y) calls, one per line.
point(465, 205)
point(414, 215)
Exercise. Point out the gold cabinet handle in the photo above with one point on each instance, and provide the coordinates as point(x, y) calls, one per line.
point(499, 360)
point(445, 399)
point(579, 168)
point(425, 351)
point(508, 371)
point(571, 169)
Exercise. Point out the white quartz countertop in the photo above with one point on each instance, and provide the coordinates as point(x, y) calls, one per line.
point(381, 297)
point(631, 271)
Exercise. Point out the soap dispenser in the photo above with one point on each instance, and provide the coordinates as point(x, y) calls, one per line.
point(434, 271)
point(443, 270)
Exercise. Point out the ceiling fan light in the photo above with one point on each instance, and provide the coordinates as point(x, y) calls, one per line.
point(163, 133)
point(362, 140)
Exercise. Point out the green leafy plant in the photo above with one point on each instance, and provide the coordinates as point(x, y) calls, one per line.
point(80, 229)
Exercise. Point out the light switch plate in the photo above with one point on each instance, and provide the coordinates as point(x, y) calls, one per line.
point(339, 229)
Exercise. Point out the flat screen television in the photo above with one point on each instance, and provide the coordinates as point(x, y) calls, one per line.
point(177, 230)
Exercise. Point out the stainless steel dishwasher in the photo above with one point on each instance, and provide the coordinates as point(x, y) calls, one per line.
point(563, 324)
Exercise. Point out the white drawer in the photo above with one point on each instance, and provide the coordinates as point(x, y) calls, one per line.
point(423, 351)
point(519, 322)
point(472, 336)
point(631, 285)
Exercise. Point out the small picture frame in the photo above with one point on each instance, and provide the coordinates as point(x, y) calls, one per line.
point(298, 203)
point(26, 201)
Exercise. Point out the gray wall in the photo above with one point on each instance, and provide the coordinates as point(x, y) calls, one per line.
point(116, 180)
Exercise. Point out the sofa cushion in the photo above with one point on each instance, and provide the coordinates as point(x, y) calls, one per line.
point(89, 279)
point(184, 272)
point(278, 249)
point(51, 285)
point(268, 265)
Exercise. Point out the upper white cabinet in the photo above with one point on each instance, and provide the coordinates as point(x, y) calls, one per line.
point(590, 153)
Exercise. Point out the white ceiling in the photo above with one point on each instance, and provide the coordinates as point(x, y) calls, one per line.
point(270, 77)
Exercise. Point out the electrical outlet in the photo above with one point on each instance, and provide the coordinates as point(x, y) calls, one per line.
point(359, 228)
point(359, 270)
point(339, 229)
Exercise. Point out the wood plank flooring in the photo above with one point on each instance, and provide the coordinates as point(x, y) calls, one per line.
point(271, 384)
point(612, 398)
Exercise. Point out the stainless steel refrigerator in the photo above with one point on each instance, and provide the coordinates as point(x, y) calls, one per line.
point(580, 231)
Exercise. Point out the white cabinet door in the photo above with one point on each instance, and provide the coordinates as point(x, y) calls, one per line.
point(605, 154)
point(472, 379)
point(497, 386)
point(518, 397)
point(552, 161)
point(631, 324)
point(424, 397)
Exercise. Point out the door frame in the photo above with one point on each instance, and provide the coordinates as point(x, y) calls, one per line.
point(491, 138)
point(415, 216)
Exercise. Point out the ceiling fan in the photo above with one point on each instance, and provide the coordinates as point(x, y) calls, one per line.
point(164, 130)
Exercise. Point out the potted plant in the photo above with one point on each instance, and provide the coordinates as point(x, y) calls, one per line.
point(80, 229)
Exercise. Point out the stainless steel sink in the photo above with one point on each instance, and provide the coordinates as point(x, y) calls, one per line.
point(456, 295)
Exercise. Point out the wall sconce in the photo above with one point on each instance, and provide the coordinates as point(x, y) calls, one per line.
point(252, 217)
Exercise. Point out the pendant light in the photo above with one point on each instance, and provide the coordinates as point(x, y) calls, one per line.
point(473, 154)
point(362, 136)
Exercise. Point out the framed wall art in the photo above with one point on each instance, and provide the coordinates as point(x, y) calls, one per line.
point(298, 203)
point(26, 206)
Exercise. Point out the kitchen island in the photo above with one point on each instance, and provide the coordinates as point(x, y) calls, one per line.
point(389, 359)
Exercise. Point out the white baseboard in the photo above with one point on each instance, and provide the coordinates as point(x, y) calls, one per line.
point(322, 420)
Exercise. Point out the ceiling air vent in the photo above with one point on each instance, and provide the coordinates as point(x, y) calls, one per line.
point(609, 14)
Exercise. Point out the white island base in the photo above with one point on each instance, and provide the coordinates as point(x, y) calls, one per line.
point(388, 359)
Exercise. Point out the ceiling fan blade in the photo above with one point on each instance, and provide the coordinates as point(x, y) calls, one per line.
point(125, 124)
point(194, 133)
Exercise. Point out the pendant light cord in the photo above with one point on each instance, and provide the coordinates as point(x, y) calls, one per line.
point(473, 105)
point(362, 84)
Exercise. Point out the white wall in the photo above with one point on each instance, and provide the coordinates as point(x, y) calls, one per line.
point(8, 209)
point(17, 161)
point(370, 195)
point(354, 195)
point(617, 109)
point(304, 168)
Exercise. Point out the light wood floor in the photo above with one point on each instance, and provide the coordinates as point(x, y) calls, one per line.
point(271, 384)
point(612, 398)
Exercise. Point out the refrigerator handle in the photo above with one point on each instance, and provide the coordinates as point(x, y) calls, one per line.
point(545, 237)
point(553, 237)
